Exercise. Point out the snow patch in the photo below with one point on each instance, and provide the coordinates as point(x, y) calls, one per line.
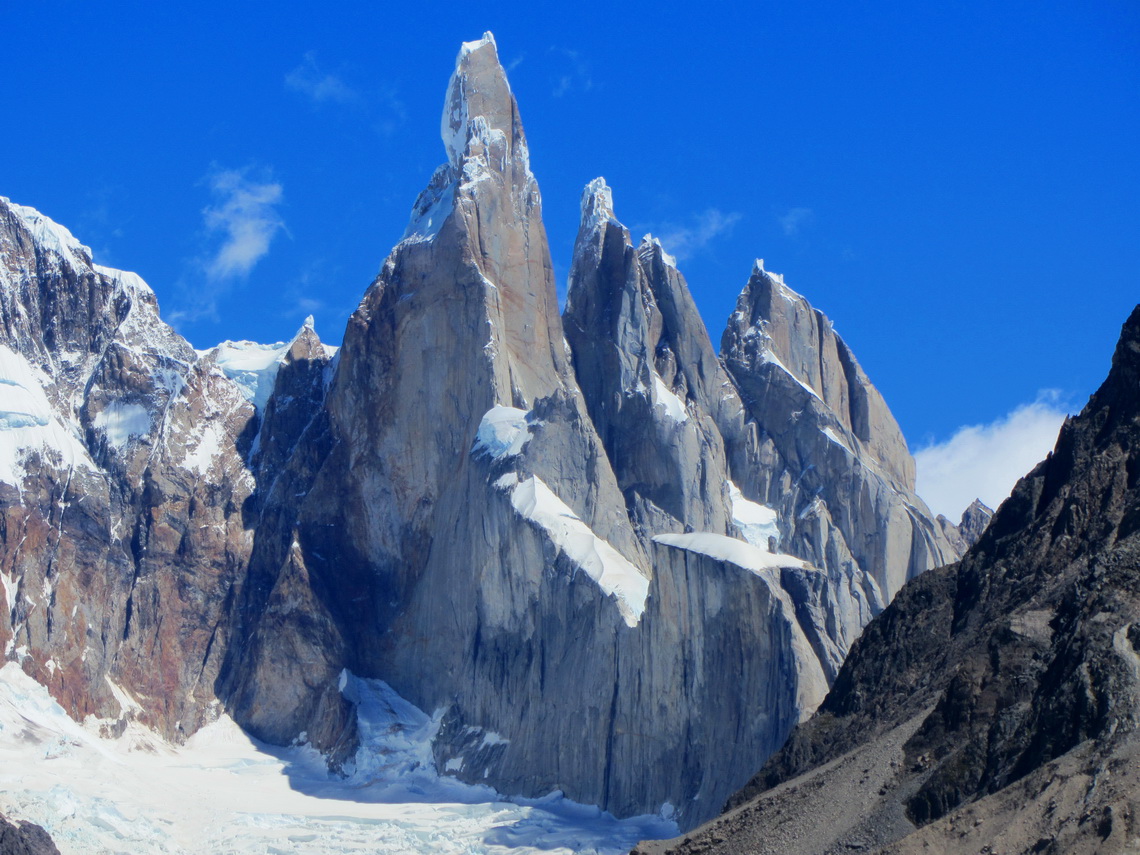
point(674, 407)
point(253, 367)
point(119, 422)
point(732, 551)
point(503, 432)
point(201, 456)
point(491, 738)
point(597, 205)
point(125, 278)
point(27, 422)
point(432, 207)
point(126, 703)
point(770, 358)
point(756, 522)
point(834, 437)
point(616, 576)
point(652, 241)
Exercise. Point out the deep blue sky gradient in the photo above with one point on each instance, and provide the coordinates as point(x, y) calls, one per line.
point(956, 185)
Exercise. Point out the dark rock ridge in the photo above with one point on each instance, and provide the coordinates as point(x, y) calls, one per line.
point(595, 549)
point(994, 705)
point(24, 838)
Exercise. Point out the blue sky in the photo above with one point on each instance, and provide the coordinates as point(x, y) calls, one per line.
point(956, 185)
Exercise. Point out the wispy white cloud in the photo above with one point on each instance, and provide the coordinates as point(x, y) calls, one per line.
point(239, 227)
point(245, 215)
point(379, 105)
point(573, 73)
point(685, 241)
point(322, 86)
point(986, 461)
point(795, 219)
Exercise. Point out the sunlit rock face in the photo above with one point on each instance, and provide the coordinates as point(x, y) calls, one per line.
point(484, 511)
point(123, 487)
point(600, 551)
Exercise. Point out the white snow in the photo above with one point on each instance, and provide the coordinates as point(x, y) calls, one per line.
point(615, 575)
point(128, 280)
point(731, 550)
point(253, 367)
point(785, 292)
point(468, 47)
point(650, 239)
point(22, 399)
point(120, 421)
point(210, 443)
point(597, 205)
point(834, 437)
point(51, 235)
point(673, 406)
point(9, 584)
point(224, 792)
point(756, 522)
point(27, 422)
point(769, 357)
point(432, 208)
point(503, 431)
point(126, 703)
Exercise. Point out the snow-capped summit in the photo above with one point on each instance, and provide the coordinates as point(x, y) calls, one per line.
point(479, 108)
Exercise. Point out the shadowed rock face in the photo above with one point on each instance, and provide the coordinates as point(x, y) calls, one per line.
point(821, 447)
point(650, 377)
point(1013, 678)
point(24, 838)
point(599, 554)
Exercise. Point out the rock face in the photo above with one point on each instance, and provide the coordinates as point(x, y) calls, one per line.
point(123, 486)
point(969, 529)
point(24, 838)
point(529, 524)
point(822, 449)
point(993, 705)
point(650, 377)
point(597, 551)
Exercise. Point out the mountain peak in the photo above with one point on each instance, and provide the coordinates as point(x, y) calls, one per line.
point(479, 107)
point(597, 203)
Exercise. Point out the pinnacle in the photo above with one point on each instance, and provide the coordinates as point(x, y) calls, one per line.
point(597, 203)
point(478, 91)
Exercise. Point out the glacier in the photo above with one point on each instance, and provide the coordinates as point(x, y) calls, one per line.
point(225, 792)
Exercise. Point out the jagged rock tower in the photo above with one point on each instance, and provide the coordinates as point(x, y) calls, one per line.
point(600, 552)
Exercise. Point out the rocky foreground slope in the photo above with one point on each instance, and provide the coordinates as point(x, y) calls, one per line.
point(24, 838)
point(586, 541)
point(994, 706)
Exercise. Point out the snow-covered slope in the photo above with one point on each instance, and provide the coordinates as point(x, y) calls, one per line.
point(222, 792)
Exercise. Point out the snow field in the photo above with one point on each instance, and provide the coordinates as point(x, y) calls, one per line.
point(223, 792)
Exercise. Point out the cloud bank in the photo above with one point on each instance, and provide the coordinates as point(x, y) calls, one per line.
point(986, 461)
